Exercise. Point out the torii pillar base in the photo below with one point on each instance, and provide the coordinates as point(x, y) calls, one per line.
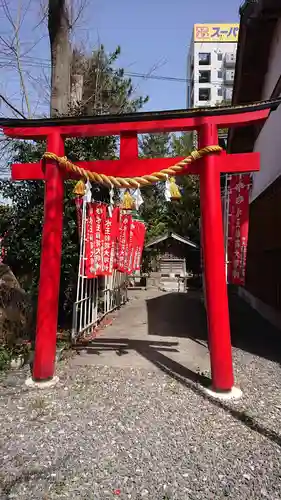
point(234, 394)
point(46, 384)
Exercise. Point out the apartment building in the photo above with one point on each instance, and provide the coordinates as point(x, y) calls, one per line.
point(211, 64)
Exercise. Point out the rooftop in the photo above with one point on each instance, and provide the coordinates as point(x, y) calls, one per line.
point(170, 234)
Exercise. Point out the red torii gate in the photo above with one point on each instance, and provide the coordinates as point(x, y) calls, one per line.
point(206, 122)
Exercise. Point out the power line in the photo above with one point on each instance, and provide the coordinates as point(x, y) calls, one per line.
point(154, 77)
point(37, 62)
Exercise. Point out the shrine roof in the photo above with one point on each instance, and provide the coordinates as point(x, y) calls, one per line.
point(139, 116)
point(174, 236)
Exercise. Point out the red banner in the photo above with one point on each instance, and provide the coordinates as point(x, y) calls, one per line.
point(135, 246)
point(110, 240)
point(132, 246)
point(123, 243)
point(95, 239)
point(141, 229)
point(238, 225)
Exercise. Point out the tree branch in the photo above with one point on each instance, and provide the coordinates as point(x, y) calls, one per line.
point(14, 44)
point(11, 106)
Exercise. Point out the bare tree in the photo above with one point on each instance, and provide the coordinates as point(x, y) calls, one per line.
point(10, 45)
point(19, 57)
point(59, 26)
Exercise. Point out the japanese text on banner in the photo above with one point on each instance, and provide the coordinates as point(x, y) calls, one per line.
point(110, 239)
point(95, 238)
point(238, 228)
point(123, 244)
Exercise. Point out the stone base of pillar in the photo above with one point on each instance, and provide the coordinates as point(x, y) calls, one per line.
point(234, 393)
point(46, 384)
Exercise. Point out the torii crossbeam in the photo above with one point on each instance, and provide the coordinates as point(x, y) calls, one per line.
point(206, 122)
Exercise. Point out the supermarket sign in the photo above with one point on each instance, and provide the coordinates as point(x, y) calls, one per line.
point(216, 32)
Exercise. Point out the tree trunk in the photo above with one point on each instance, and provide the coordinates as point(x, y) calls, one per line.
point(58, 25)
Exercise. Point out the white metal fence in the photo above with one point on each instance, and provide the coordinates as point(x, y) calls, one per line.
point(95, 297)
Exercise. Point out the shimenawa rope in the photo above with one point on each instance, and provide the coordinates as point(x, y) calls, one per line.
point(131, 182)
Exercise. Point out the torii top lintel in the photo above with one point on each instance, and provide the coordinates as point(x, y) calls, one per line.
point(143, 122)
point(128, 126)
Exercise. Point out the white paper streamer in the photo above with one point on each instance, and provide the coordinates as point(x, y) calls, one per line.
point(138, 198)
point(111, 200)
point(88, 192)
point(167, 192)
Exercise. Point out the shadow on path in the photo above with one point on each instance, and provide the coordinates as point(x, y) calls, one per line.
point(183, 315)
point(150, 350)
point(188, 378)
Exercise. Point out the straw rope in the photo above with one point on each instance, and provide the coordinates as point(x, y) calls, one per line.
point(132, 182)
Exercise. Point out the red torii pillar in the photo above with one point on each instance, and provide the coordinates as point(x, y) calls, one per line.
point(208, 168)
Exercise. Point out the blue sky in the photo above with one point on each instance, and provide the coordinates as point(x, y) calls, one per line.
point(152, 34)
point(158, 32)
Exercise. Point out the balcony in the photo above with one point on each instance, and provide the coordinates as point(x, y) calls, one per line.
point(229, 77)
point(228, 94)
point(230, 60)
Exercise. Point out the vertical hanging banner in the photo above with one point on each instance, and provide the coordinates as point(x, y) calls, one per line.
point(95, 239)
point(89, 242)
point(110, 239)
point(231, 227)
point(141, 230)
point(133, 253)
point(123, 244)
point(129, 256)
point(116, 238)
point(238, 226)
point(133, 245)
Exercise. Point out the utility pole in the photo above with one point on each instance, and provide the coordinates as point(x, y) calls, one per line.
point(59, 27)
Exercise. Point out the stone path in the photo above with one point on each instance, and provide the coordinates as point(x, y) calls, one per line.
point(131, 422)
point(154, 328)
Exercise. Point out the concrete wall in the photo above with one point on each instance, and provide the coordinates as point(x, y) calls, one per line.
point(263, 275)
point(268, 142)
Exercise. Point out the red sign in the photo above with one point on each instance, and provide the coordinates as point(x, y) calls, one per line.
point(238, 226)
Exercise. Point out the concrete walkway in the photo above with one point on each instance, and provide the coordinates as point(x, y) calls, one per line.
point(154, 329)
point(131, 423)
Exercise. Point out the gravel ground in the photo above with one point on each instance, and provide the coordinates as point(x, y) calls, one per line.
point(107, 433)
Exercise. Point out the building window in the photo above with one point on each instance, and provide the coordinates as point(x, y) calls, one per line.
point(219, 74)
point(204, 58)
point(219, 56)
point(204, 94)
point(204, 76)
point(220, 91)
